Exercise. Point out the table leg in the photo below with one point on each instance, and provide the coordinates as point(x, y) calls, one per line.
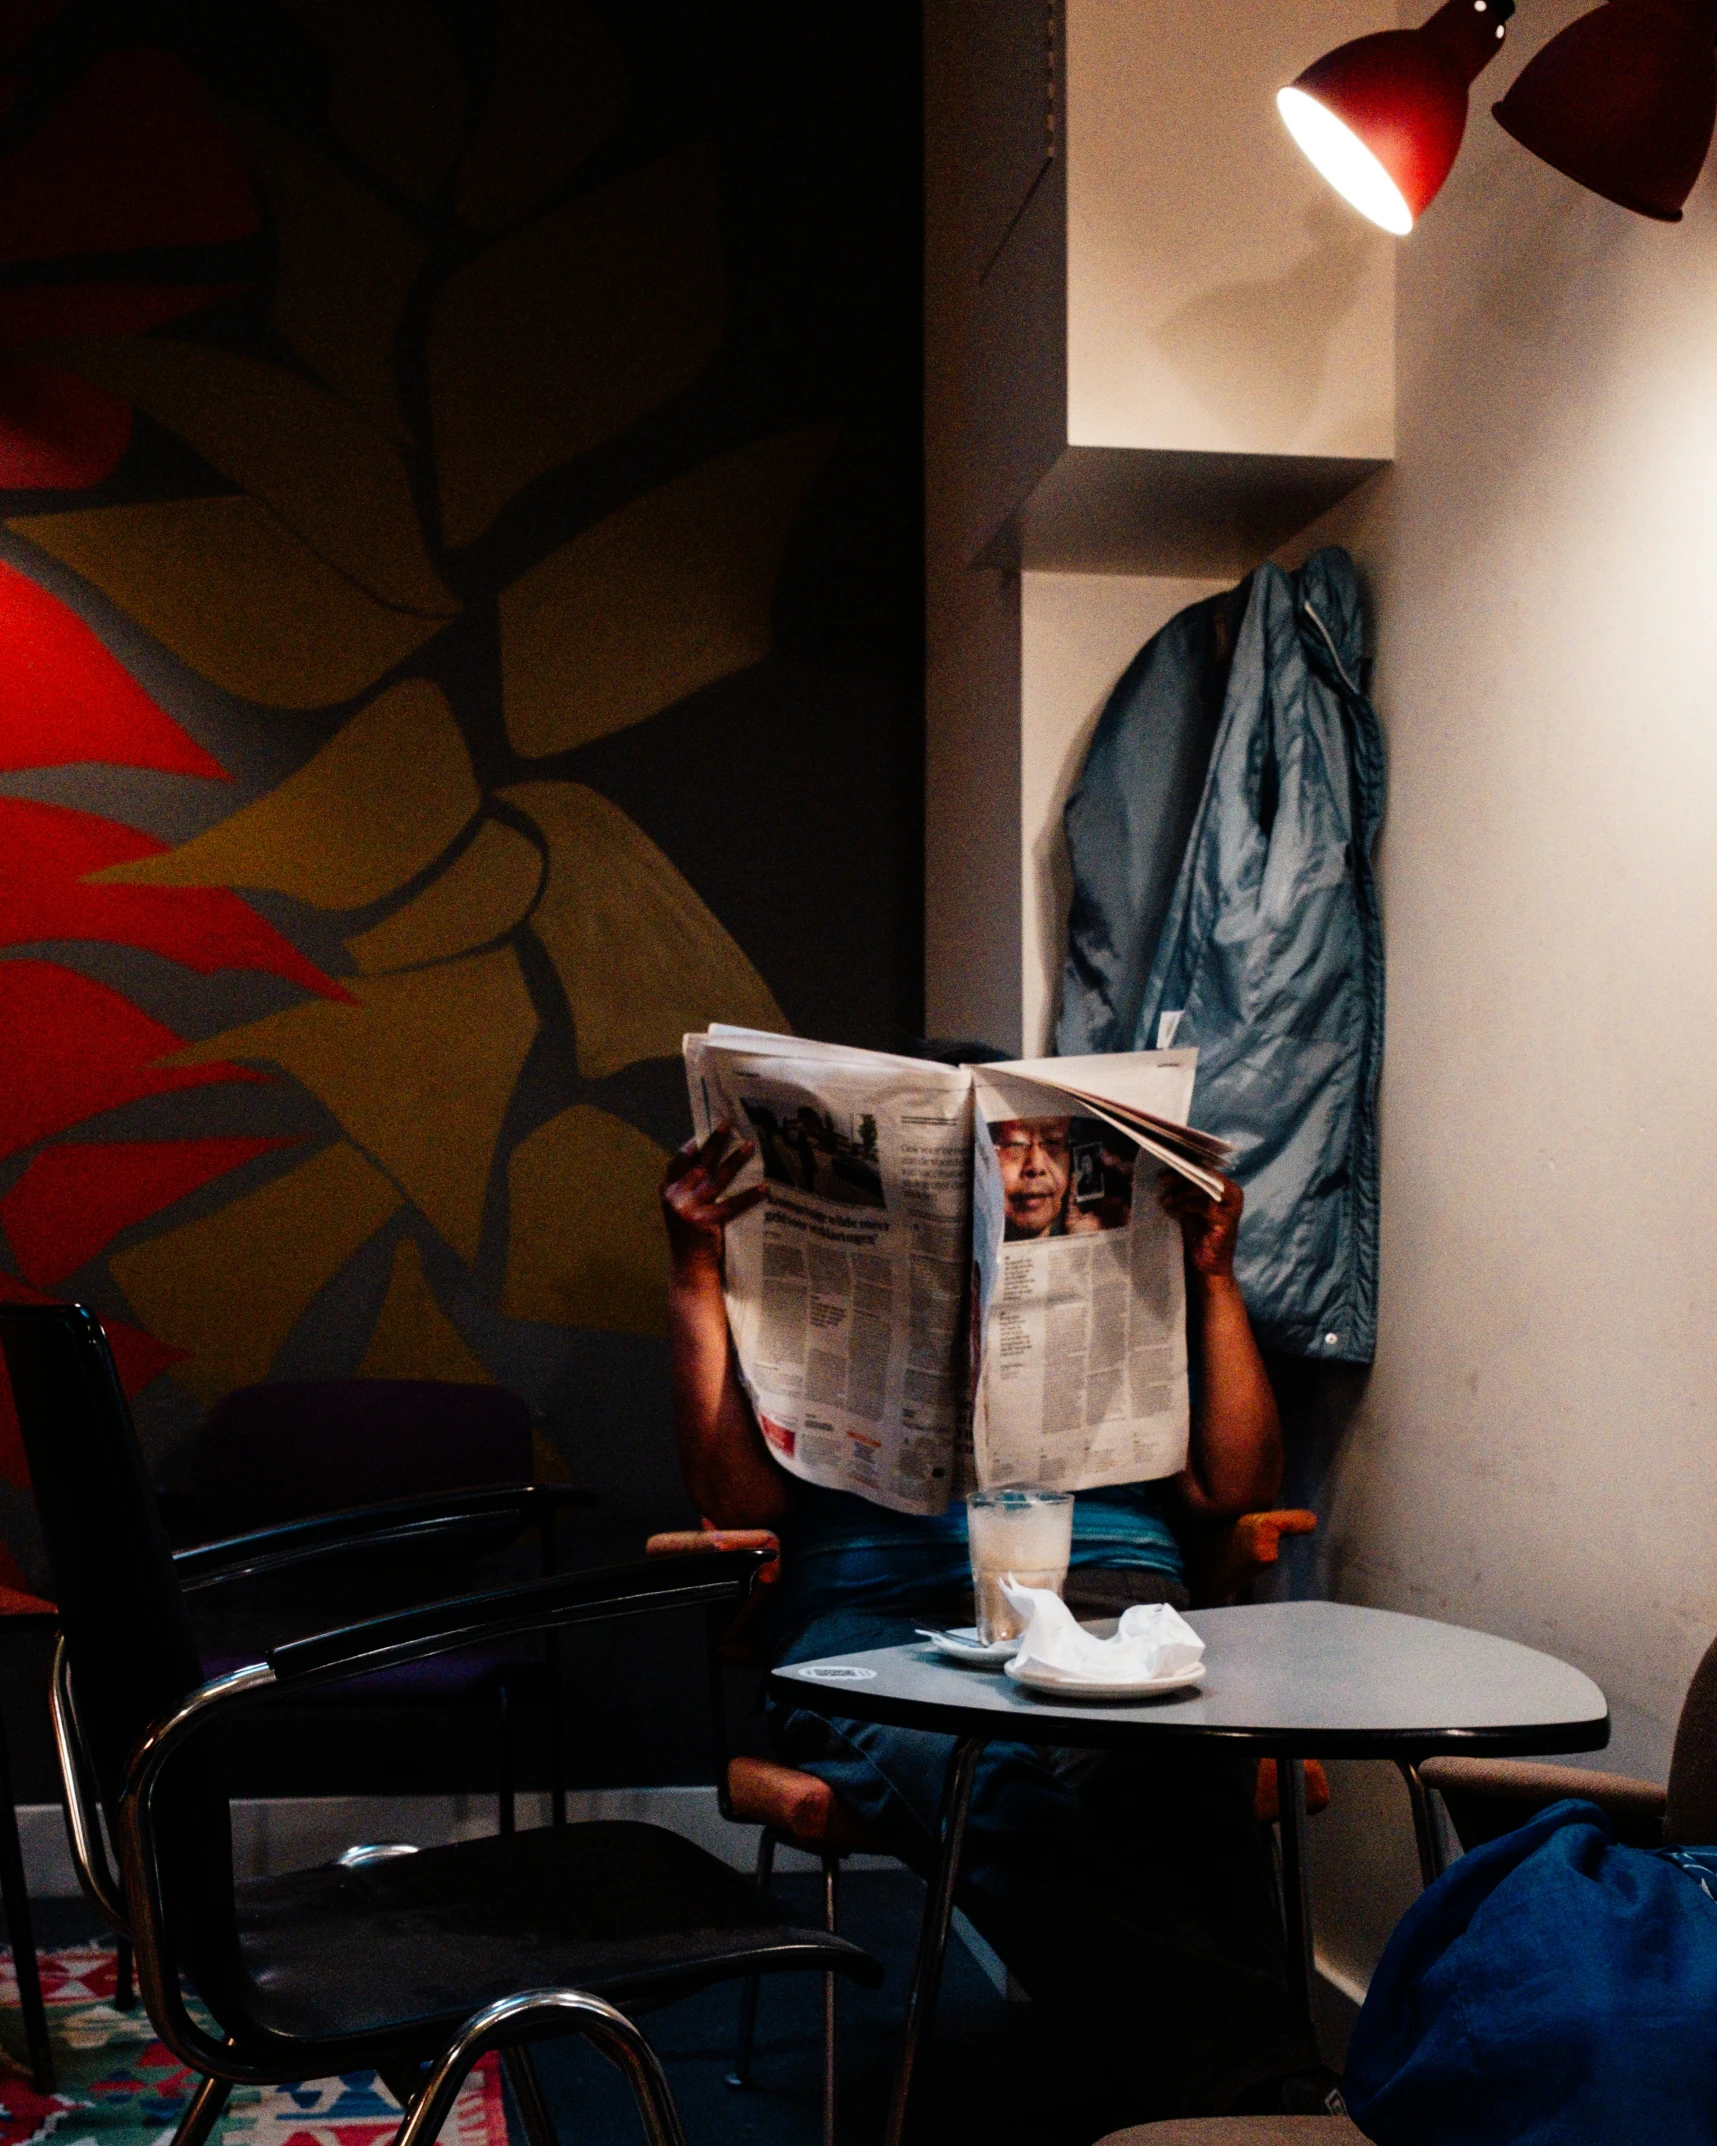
point(1426, 1831)
point(1296, 1892)
point(933, 1935)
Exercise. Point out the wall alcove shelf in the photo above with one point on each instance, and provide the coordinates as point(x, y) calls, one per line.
point(1142, 510)
point(1155, 349)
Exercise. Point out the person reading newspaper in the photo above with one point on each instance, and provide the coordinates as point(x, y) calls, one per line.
point(1132, 1896)
point(947, 1280)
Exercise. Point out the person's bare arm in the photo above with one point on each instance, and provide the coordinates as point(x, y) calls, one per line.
point(1235, 1463)
point(726, 1465)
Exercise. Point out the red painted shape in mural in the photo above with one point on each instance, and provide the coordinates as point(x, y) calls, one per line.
point(74, 1199)
point(64, 698)
point(74, 1047)
point(46, 854)
point(57, 433)
point(132, 158)
point(137, 1356)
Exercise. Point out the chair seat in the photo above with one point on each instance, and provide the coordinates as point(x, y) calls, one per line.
point(1267, 1797)
point(631, 1912)
point(799, 1805)
point(1242, 2131)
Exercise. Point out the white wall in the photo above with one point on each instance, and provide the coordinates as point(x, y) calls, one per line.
point(1078, 633)
point(1218, 297)
point(1536, 1451)
point(1218, 301)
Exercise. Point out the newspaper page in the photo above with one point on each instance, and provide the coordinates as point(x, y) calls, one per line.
point(847, 1286)
point(1081, 1290)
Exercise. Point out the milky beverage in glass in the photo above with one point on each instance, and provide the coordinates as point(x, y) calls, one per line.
point(1022, 1535)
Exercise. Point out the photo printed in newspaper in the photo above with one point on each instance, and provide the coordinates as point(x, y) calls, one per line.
point(847, 1286)
point(1080, 1283)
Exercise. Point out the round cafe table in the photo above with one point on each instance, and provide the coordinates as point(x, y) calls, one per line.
point(1294, 1680)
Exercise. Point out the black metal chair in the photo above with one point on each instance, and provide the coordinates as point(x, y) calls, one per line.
point(23, 1612)
point(391, 1963)
point(295, 1449)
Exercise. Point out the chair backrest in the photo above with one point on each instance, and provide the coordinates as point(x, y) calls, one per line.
point(133, 1657)
point(297, 1447)
point(1691, 1816)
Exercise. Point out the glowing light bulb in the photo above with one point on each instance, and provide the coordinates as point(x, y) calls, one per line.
point(1344, 161)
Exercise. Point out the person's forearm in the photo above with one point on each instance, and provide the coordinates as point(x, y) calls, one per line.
point(1236, 1463)
point(726, 1466)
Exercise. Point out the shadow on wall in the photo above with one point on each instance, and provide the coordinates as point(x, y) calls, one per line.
point(1212, 341)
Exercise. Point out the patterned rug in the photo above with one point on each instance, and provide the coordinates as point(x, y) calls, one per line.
point(119, 2087)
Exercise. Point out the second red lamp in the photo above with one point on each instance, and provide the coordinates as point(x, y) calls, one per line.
point(1623, 101)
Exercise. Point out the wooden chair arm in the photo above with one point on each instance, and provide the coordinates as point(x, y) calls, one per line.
point(734, 1644)
point(1488, 1797)
point(1230, 1557)
point(677, 1541)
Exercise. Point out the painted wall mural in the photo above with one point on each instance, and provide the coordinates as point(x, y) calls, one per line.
point(457, 631)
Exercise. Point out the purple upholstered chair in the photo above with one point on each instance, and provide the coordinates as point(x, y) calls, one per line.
point(299, 1448)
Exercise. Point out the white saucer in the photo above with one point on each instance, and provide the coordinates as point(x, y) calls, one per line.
point(1054, 1685)
point(996, 1655)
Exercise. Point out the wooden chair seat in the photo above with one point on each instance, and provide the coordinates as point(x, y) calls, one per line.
point(802, 1808)
point(1266, 1799)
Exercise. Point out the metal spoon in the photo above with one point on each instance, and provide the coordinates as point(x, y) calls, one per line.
point(954, 1639)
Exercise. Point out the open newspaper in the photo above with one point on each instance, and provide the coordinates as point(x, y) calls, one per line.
point(959, 1274)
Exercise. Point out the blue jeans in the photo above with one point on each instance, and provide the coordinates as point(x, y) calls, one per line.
point(1131, 1894)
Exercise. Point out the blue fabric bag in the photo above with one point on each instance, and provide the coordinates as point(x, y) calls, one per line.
point(1551, 1989)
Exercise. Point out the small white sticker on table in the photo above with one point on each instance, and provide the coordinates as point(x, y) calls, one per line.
point(834, 1673)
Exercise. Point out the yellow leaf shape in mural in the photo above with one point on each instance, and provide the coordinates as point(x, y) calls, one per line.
point(414, 1338)
point(485, 891)
point(367, 812)
point(397, 95)
point(641, 957)
point(344, 264)
point(233, 593)
point(328, 474)
point(558, 92)
point(419, 1071)
point(230, 1287)
point(563, 334)
point(667, 595)
point(586, 1246)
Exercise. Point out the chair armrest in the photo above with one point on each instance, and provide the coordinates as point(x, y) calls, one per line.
point(398, 1523)
point(730, 1642)
point(1488, 1797)
point(412, 1635)
point(687, 1542)
point(1258, 1536)
point(1228, 1557)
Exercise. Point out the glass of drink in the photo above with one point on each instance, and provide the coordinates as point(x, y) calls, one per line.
point(1021, 1535)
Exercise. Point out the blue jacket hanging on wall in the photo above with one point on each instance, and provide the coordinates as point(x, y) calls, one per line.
point(1270, 955)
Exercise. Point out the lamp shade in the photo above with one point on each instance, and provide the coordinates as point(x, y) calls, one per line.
point(1382, 117)
point(1623, 101)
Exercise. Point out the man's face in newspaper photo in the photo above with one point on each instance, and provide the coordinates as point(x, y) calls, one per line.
point(1036, 1155)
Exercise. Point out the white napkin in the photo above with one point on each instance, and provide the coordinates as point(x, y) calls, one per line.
point(1154, 1640)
